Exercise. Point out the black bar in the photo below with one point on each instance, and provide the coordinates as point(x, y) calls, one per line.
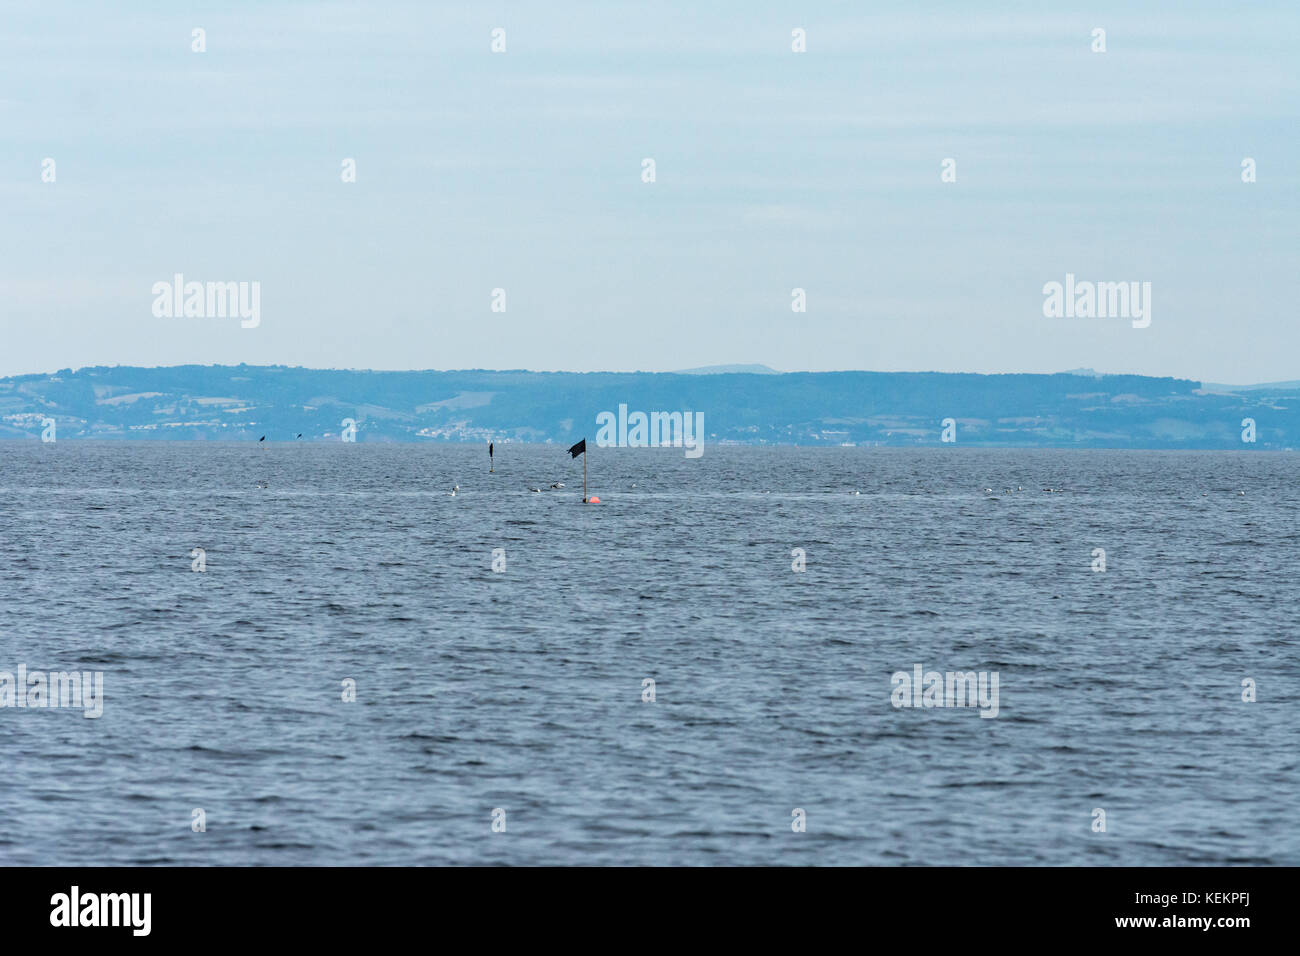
point(952, 907)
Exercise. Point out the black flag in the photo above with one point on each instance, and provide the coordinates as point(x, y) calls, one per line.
point(578, 449)
point(489, 449)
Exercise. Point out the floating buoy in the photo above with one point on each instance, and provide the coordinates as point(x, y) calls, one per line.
point(593, 500)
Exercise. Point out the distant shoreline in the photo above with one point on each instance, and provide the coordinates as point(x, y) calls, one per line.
point(1079, 409)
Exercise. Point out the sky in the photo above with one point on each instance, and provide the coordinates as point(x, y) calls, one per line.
point(774, 170)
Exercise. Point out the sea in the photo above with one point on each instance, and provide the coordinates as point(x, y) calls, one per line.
point(705, 668)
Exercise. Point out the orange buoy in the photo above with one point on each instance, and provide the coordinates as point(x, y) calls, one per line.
point(593, 500)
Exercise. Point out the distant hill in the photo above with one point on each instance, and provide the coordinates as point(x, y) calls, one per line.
point(729, 370)
point(801, 408)
point(1264, 387)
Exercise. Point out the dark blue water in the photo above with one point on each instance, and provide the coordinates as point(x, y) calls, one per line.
point(476, 690)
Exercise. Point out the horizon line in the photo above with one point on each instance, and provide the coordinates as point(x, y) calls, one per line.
point(722, 369)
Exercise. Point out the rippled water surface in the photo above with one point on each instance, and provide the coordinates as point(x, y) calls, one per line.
point(522, 690)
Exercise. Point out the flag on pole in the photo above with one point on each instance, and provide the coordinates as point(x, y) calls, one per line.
point(578, 449)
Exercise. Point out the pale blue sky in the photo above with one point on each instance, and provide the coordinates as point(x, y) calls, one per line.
point(775, 170)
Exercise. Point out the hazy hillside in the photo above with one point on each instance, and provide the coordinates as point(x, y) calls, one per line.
point(822, 408)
